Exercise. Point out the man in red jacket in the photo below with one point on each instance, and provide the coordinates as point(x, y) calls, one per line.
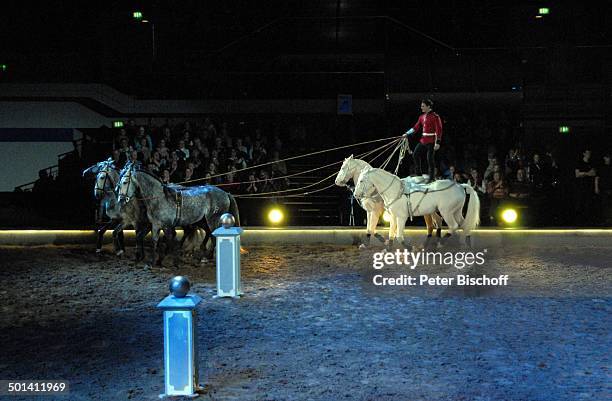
point(431, 124)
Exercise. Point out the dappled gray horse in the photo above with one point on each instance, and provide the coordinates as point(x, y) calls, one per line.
point(170, 206)
point(107, 177)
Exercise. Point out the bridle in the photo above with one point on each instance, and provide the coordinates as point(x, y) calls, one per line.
point(365, 179)
point(126, 175)
point(107, 179)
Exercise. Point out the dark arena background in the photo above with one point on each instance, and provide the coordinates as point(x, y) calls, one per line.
point(297, 118)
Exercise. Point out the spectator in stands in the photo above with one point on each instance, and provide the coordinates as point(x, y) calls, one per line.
point(188, 174)
point(182, 150)
point(265, 185)
point(520, 188)
point(259, 153)
point(43, 183)
point(585, 188)
point(166, 138)
point(537, 172)
point(116, 155)
point(497, 190)
point(143, 148)
point(492, 167)
point(242, 150)
point(477, 182)
point(125, 148)
point(142, 133)
point(157, 160)
point(175, 175)
point(230, 184)
point(153, 168)
point(252, 186)
point(210, 127)
point(165, 176)
point(513, 161)
point(163, 150)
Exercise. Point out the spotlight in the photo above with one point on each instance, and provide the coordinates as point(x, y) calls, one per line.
point(275, 216)
point(386, 217)
point(509, 216)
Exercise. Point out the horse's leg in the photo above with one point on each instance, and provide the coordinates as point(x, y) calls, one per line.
point(100, 239)
point(452, 224)
point(429, 223)
point(155, 238)
point(118, 239)
point(401, 224)
point(369, 218)
point(141, 233)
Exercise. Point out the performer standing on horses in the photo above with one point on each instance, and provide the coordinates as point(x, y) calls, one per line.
point(431, 124)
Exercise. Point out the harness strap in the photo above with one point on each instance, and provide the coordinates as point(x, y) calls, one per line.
point(179, 207)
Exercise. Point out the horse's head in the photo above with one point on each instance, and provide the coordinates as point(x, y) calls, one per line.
point(345, 172)
point(126, 187)
point(106, 177)
point(363, 185)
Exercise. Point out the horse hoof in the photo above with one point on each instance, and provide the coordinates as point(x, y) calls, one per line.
point(362, 246)
point(120, 252)
point(244, 251)
point(98, 251)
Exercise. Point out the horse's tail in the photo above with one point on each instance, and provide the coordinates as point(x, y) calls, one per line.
point(193, 238)
point(233, 209)
point(472, 217)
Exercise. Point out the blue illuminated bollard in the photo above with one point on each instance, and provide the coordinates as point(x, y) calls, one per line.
point(228, 258)
point(181, 376)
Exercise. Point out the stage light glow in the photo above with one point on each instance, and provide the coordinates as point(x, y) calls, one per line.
point(275, 216)
point(117, 124)
point(137, 15)
point(3, 67)
point(386, 217)
point(544, 11)
point(564, 129)
point(509, 216)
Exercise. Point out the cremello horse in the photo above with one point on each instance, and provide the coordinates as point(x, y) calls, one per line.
point(445, 196)
point(373, 203)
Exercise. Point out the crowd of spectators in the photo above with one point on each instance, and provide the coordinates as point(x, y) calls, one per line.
point(193, 153)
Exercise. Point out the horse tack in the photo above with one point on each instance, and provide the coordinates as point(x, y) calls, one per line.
point(178, 197)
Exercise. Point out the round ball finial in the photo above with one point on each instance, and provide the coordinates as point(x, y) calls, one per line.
point(179, 286)
point(227, 220)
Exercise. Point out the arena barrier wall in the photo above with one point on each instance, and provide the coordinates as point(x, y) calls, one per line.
point(486, 237)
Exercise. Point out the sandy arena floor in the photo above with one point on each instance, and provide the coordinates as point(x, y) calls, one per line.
point(312, 326)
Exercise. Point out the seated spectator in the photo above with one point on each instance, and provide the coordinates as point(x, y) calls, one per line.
point(175, 175)
point(165, 176)
point(259, 154)
point(158, 161)
point(520, 188)
point(153, 168)
point(537, 172)
point(265, 185)
point(497, 190)
point(230, 185)
point(163, 150)
point(144, 149)
point(182, 150)
point(477, 182)
point(142, 134)
point(188, 175)
point(252, 186)
point(44, 182)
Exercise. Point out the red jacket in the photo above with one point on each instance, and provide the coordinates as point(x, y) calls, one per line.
point(431, 124)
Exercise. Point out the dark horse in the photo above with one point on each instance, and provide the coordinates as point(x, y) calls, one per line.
point(170, 206)
point(107, 177)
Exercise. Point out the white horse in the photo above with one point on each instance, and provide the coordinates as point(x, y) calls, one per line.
point(445, 196)
point(373, 203)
